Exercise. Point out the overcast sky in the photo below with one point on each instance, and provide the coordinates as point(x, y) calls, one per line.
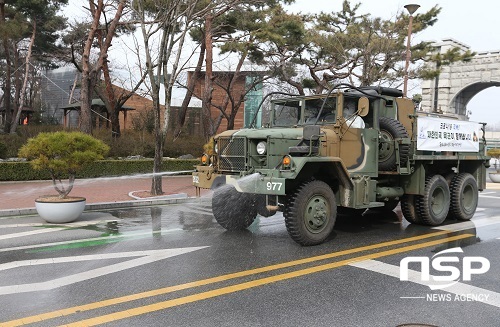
point(473, 23)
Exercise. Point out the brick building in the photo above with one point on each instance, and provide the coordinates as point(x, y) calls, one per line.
point(244, 82)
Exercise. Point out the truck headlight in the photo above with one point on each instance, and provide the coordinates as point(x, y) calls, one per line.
point(261, 147)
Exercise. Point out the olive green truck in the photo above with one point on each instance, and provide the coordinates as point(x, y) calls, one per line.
point(344, 152)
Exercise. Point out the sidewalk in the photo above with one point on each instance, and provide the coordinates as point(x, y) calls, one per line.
point(131, 189)
point(21, 195)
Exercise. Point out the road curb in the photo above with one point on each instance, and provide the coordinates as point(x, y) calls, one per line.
point(114, 205)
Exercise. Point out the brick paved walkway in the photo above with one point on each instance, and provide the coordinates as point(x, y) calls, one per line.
point(17, 195)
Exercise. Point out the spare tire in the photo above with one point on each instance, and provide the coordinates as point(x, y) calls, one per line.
point(390, 130)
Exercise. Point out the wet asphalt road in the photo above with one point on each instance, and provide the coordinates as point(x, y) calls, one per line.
point(174, 266)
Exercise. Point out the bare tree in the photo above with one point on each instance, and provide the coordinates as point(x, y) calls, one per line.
point(91, 70)
point(169, 22)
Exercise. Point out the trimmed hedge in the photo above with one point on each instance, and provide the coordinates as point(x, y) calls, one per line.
point(22, 171)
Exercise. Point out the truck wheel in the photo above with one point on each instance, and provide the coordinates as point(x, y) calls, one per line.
point(409, 208)
point(233, 210)
point(310, 213)
point(391, 129)
point(463, 196)
point(433, 206)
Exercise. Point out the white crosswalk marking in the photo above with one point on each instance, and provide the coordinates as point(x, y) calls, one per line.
point(29, 233)
point(145, 257)
point(474, 223)
point(461, 289)
point(489, 196)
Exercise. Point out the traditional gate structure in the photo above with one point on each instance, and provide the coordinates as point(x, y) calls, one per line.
point(460, 82)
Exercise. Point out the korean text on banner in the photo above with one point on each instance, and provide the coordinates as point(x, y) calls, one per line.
point(437, 134)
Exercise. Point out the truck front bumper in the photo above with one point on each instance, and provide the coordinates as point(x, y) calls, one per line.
point(258, 183)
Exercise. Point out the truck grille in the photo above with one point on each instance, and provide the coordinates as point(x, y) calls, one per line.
point(232, 154)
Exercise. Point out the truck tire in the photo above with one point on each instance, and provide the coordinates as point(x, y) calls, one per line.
point(463, 196)
point(434, 205)
point(233, 210)
point(391, 129)
point(409, 208)
point(310, 213)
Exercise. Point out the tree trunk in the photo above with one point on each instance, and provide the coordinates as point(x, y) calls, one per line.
point(111, 102)
point(207, 94)
point(17, 84)
point(15, 121)
point(85, 122)
point(90, 75)
point(114, 116)
point(8, 72)
point(156, 183)
point(181, 118)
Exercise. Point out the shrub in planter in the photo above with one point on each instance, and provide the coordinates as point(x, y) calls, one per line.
point(63, 155)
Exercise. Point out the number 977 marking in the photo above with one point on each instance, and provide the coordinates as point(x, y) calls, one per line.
point(274, 186)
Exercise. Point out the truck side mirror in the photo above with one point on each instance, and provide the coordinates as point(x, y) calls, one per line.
point(363, 106)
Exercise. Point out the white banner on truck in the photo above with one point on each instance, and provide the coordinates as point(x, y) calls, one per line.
point(438, 134)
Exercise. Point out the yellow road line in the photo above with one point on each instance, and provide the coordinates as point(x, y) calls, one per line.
point(203, 282)
point(255, 283)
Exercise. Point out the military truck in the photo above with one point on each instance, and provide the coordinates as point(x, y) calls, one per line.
point(344, 152)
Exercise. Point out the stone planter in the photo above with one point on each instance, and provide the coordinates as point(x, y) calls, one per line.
point(495, 177)
point(59, 211)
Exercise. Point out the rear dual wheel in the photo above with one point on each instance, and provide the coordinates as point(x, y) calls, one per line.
point(433, 206)
point(464, 196)
point(409, 208)
point(457, 200)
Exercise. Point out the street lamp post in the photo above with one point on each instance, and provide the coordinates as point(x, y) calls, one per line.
point(411, 9)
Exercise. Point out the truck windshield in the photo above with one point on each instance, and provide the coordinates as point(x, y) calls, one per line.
point(313, 107)
point(286, 113)
point(289, 113)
